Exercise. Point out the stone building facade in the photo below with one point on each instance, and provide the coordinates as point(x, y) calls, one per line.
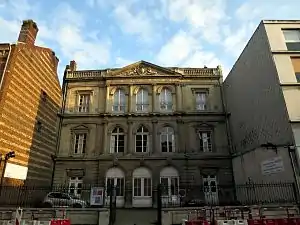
point(141, 125)
point(30, 97)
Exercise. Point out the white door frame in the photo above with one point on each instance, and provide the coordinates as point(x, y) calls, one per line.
point(210, 196)
point(120, 200)
point(142, 200)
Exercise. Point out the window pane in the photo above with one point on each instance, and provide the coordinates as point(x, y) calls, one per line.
point(137, 185)
point(292, 35)
point(164, 186)
point(174, 186)
point(147, 187)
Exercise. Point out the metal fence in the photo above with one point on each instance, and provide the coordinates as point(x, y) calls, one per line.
point(171, 196)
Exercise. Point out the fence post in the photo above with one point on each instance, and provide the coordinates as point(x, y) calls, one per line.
point(296, 193)
point(159, 205)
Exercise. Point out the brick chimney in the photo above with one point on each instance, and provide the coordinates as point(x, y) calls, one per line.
point(73, 65)
point(28, 32)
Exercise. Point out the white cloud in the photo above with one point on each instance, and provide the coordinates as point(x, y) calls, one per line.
point(203, 17)
point(139, 23)
point(236, 39)
point(11, 28)
point(67, 30)
point(177, 49)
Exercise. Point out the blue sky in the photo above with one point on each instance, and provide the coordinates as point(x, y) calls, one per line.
point(114, 33)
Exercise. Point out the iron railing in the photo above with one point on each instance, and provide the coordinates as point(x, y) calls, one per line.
point(170, 196)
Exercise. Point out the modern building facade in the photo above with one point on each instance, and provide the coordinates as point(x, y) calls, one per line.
point(262, 96)
point(141, 125)
point(30, 97)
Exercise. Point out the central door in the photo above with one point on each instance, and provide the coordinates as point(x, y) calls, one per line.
point(142, 187)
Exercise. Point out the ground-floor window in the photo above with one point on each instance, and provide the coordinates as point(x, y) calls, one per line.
point(142, 187)
point(116, 184)
point(75, 186)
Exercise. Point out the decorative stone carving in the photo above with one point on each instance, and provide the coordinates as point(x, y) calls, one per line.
point(139, 70)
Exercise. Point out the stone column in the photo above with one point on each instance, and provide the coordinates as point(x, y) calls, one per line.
point(107, 99)
point(181, 135)
point(178, 98)
point(155, 140)
point(129, 99)
point(105, 137)
point(154, 98)
point(98, 139)
point(129, 148)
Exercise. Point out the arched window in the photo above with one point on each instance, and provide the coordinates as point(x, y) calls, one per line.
point(165, 99)
point(115, 179)
point(142, 101)
point(117, 141)
point(141, 139)
point(119, 101)
point(167, 139)
point(169, 179)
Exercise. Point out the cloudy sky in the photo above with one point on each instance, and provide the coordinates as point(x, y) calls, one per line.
point(113, 33)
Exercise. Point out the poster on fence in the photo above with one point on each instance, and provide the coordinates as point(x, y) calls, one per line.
point(97, 195)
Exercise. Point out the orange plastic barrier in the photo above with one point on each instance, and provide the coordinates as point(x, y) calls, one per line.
point(60, 222)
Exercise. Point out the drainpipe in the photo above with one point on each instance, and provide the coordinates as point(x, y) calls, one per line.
point(64, 92)
point(227, 125)
point(5, 67)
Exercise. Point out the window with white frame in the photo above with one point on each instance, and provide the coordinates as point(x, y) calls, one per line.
point(292, 39)
point(141, 139)
point(119, 101)
point(80, 143)
point(167, 139)
point(75, 186)
point(116, 184)
point(165, 99)
point(170, 186)
point(205, 141)
point(201, 100)
point(142, 100)
point(117, 142)
point(141, 187)
point(84, 102)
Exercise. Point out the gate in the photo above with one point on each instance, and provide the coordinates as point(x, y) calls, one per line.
point(112, 205)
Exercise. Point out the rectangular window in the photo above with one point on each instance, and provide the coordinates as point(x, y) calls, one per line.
point(164, 186)
point(296, 66)
point(292, 39)
point(141, 142)
point(167, 142)
point(205, 141)
point(117, 143)
point(116, 185)
point(201, 100)
point(80, 143)
point(84, 103)
point(75, 186)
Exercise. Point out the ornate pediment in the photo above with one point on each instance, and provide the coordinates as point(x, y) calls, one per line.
point(142, 69)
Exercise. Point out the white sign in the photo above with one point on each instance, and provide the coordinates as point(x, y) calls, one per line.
point(272, 166)
point(16, 171)
point(97, 194)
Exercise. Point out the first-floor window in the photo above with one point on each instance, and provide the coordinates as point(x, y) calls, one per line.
point(205, 141)
point(170, 186)
point(142, 187)
point(80, 143)
point(141, 140)
point(75, 186)
point(115, 184)
point(117, 143)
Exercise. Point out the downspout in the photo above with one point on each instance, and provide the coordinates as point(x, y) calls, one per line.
point(62, 111)
point(5, 67)
point(228, 131)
